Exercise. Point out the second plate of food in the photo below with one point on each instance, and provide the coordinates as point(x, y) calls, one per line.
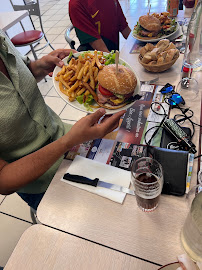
point(155, 39)
point(68, 74)
point(154, 27)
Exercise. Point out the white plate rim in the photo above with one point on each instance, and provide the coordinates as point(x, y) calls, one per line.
point(76, 105)
point(169, 266)
point(157, 39)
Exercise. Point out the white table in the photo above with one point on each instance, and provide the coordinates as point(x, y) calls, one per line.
point(152, 236)
point(8, 19)
point(155, 236)
point(41, 247)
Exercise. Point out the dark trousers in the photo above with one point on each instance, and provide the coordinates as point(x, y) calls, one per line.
point(32, 200)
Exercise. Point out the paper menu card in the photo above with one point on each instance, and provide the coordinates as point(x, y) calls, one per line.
point(93, 169)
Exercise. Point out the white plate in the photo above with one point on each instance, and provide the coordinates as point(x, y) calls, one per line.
point(144, 39)
point(81, 107)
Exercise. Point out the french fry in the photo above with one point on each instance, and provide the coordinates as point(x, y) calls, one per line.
point(92, 82)
point(96, 80)
point(80, 92)
point(62, 72)
point(76, 92)
point(64, 91)
point(86, 67)
point(80, 58)
point(97, 60)
point(87, 93)
point(93, 62)
point(87, 77)
point(74, 61)
point(74, 86)
point(80, 75)
point(73, 94)
point(91, 91)
point(73, 67)
point(67, 74)
point(77, 71)
point(71, 99)
point(95, 73)
point(70, 62)
point(63, 82)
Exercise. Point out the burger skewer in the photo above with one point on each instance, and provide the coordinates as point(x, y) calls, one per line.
point(149, 8)
point(117, 61)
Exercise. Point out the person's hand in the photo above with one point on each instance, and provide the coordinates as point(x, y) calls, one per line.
point(44, 66)
point(88, 128)
point(53, 59)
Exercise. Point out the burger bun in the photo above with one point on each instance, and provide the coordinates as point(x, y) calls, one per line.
point(123, 83)
point(150, 23)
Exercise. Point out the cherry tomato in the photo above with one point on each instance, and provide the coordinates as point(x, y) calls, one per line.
point(105, 92)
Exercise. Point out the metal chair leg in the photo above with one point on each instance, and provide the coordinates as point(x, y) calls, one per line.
point(34, 216)
point(33, 51)
point(51, 46)
point(48, 42)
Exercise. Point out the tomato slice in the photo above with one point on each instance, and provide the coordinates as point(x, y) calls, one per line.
point(105, 92)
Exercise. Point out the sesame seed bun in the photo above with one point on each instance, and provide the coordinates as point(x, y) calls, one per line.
point(150, 23)
point(124, 82)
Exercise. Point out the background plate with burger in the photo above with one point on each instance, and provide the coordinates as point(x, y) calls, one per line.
point(113, 91)
point(154, 27)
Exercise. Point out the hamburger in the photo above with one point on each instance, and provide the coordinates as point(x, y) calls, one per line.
point(150, 26)
point(114, 90)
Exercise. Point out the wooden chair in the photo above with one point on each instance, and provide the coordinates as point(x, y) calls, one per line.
point(30, 37)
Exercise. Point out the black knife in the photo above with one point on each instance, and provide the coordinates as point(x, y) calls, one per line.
point(96, 183)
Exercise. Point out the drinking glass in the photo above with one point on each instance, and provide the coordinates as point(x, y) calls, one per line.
point(191, 234)
point(185, 23)
point(188, 89)
point(147, 181)
point(184, 27)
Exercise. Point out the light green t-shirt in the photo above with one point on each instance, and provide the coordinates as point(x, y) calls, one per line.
point(26, 122)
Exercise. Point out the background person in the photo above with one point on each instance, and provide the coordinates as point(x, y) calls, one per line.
point(98, 23)
point(33, 138)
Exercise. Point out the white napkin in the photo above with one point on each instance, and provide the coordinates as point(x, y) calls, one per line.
point(92, 169)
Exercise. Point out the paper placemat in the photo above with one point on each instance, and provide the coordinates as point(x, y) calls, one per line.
point(92, 169)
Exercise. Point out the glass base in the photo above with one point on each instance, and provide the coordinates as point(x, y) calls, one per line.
point(148, 210)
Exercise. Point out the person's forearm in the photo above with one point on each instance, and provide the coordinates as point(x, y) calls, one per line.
point(36, 70)
point(27, 169)
point(99, 45)
point(126, 32)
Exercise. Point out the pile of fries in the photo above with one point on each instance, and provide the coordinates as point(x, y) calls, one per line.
point(163, 17)
point(80, 75)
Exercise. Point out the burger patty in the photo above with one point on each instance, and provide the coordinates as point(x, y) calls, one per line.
point(104, 99)
point(101, 99)
point(145, 33)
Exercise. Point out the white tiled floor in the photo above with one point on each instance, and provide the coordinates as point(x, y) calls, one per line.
point(14, 213)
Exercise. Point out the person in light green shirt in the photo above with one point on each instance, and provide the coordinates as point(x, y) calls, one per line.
point(33, 139)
